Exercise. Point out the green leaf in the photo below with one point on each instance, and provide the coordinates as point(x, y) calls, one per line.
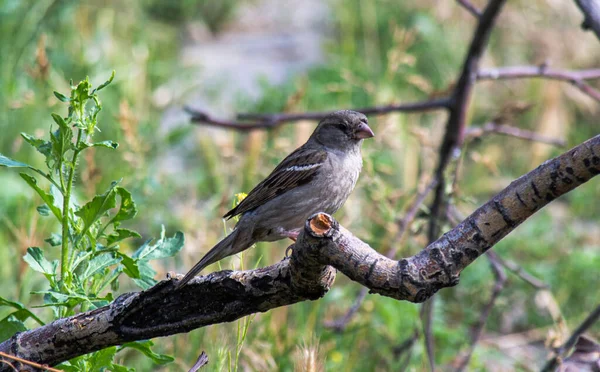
point(61, 97)
point(8, 162)
point(120, 368)
point(21, 309)
point(165, 247)
point(121, 234)
point(99, 263)
point(108, 144)
point(62, 124)
point(43, 210)
point(105, 84)
point(42, 146)
point(61, 139)
point(54, 298)
point(146, 277)
point(54, 240)
point(36, 260)
point(48, 198)
point(97, 207)
point(128, 209)
point(131, 266)
point(101, 360)
point(9, 326)
point(145, 347)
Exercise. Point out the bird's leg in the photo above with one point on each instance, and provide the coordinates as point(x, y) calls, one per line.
point(292, 234)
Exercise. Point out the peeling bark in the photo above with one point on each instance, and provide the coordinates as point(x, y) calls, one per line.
point(322, 247)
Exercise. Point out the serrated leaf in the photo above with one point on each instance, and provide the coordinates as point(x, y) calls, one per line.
point(62, 138)
point(99, 263)
point(128, 209)
point(97, 207)
point(61, 97)
point(42, 146)
point(47, 198)
point(54, 240)
point(36, 260)
point(120, 234)
point(131, 266)
point(8, 162)
point(145, 348)
point(165, 247)
point(9, 326)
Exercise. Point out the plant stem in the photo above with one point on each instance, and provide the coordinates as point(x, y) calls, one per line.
point(64, 252)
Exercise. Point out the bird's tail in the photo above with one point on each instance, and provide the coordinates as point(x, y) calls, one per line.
point(228, 246)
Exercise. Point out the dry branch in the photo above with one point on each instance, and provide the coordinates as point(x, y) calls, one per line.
point(577, 78)
point(322, 247)
point(246, 122)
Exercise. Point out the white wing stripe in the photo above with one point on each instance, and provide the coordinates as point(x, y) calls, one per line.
point(300, 168)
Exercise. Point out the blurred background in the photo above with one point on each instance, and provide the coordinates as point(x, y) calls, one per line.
point(233, 56)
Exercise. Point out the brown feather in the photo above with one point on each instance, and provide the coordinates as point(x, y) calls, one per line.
point(282, 179)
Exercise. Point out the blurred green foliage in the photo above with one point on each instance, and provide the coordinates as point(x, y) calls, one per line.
point(380, 51)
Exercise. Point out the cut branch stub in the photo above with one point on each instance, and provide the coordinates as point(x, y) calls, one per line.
point(310, 276)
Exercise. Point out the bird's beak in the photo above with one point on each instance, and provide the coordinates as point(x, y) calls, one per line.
point(364, 131)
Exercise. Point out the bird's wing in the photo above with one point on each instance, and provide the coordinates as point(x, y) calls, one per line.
point(297, 169)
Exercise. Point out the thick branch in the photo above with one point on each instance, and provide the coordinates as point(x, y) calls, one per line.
point(323, 245)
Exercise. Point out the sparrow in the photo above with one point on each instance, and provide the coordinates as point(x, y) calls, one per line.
point(317, 177)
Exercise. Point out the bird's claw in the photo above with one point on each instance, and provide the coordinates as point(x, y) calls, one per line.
point(288, 251)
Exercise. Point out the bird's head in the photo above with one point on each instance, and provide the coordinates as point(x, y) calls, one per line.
point(343, 129)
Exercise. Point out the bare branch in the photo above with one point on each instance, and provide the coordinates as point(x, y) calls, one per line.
point(470, 7)
point(508, 130)
point(591, 13)
point(568, 345)
point(322, 247)
point(262, 121)
point(520, 272)
point(575, 77)
point(499, 281)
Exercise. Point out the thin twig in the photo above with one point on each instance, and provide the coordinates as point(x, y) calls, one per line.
point(250, 121)
point(403, 224)
point(499, 281)
point(470, 7)
point(560, 352)
point(25, 361)
point(575, 77)
point(519, 271)
point(508, 130)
